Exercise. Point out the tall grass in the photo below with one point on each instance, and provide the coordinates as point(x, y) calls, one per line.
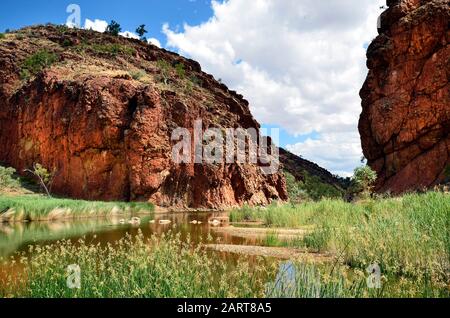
point(166, 267)
point(133, 267)
point(38, 208)
point(408, 237)
point(275, 215)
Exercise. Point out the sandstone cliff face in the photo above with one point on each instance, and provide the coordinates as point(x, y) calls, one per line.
point(102, 117)
point(405, 123)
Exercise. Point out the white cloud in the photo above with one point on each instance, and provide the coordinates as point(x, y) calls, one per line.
point(96, 25)
point(344, 146)
point(300, 63)
point(130, 35)
point(154, 42)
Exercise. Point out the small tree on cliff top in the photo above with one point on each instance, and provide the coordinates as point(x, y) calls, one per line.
point(113, 28)
point(141, 31)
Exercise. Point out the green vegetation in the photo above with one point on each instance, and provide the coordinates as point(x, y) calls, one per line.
point(67, 43)
point(295, 189)
point(165, 69)
point(317, 189)
point(2, 36)
point(7, 181)
point(43, 176)
point(113, 49)
point(162, 267)
point(37, 208)
point(363, 180)
point(137, 75)
point(113, 28)
point(37, 62)
point(62, 28)
point(181, 72)
point(311, 188)
point(408, 237)
point(133, 267)
point(141, 31)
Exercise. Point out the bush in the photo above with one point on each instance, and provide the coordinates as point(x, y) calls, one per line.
point(67, 43)
point(137, 75)
point(295, 191)
point(37, 62)
point(165, 69)
point(113, 28)
point(6, 178)
point(363, 180)
point(179, 68)
point(2, 36)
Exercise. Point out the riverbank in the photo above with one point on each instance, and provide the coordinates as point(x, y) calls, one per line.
point(26, 208)
point(407, 237)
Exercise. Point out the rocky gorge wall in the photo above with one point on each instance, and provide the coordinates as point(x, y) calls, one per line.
point(405, 123)
point(102, 116)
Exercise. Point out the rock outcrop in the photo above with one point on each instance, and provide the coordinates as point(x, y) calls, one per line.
point(102, 115)
point(405, 123)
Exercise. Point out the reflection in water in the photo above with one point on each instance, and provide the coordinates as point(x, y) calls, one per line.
point(197, 227)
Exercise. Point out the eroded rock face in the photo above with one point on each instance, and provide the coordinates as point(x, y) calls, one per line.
point(405, 123)
point(107, 134)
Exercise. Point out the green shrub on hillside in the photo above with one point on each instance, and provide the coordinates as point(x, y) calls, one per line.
point(318, 190)
point(6, 178)
point(37, 62)
point(137, 75)
point(179, 68)
point(311, 188)
point(295, 189)
point(2, 36)
point(165, 69)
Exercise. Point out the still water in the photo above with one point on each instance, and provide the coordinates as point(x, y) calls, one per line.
point(18, 236)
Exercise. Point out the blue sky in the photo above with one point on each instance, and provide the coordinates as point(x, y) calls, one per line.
point(301, 62)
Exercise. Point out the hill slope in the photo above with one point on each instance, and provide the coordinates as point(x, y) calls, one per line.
point(309, 177)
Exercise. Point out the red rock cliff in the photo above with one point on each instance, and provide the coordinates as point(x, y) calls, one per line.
point(102, 117)
point(405, 123)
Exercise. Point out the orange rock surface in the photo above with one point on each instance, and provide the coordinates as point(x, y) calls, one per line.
point(107, 133)
point(405, 123)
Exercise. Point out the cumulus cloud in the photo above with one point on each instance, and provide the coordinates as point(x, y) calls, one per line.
point(330, 146)
point(96, 25)
point(130, 35)
point(154, 42)
point(300, 63)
